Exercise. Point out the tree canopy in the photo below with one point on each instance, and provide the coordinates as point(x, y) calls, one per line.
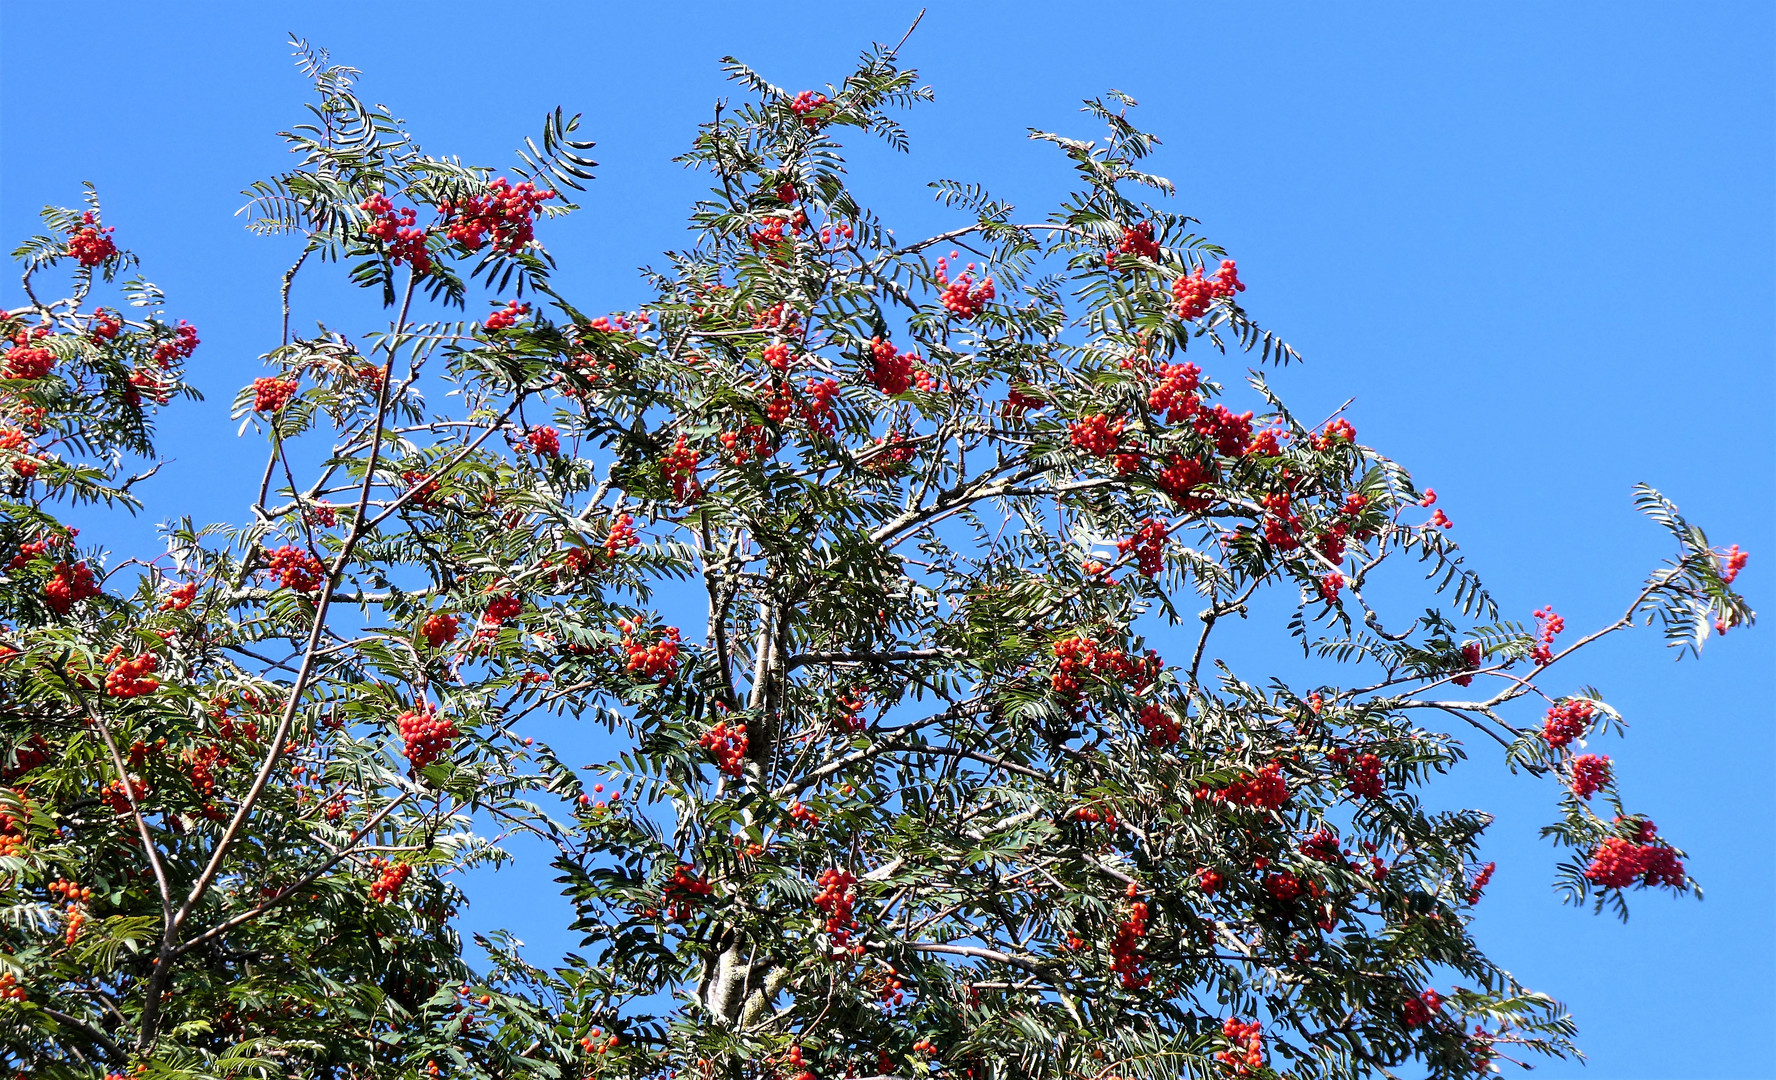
point(862, 550)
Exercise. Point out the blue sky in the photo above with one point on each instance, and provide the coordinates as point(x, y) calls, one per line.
point(1535, 243)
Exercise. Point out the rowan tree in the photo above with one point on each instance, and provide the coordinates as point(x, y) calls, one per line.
point(916, 794)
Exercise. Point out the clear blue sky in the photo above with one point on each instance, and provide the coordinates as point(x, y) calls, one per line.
point(1534, 242)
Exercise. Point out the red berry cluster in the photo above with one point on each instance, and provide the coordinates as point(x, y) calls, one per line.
point(270, 395)
point(1644, 860)
point(180, 346)
point(1247, 1053)
point(180, 597)
point(1335, 432)
point(1175, 394)
point(1148, 544)
point(132, 677)
point(1548, 624)
point(1102, 813)
point(202, 764)
point(1480, 881)
point(818, 412)
point(31, 549)
point(1019, 400)
point(150, 385)
point(658, 660)
point(1590, 774)
point(117, 796)
point(622, 536)
point(544, 441)
point(1733, 562)
point(423, 486)
point(28, 362)
point(679, 466)
point(1231, 432)
point(1136, 239)
point(439, 629)
point(89, 244)
point(500, 608)
point(10, 990)
point(507, 317)
point(836, 899)
point(961, 296)
point(390, 876)
point(295, 568)
point(1266, 789)
point(1567, 721)
point(1077, 657)
point(1362, 774)
point(890, 372)
point(25, 464)
point(425, 736)
point(728, 742)
point(505, 213)
point(1208, 881)
point(811, 107)
point(1126, 959)
point(897, 450)
point(1471, 655)
point(67, 585)
point(1161, 729)
point(774, 235)
point(1330, 586)
point(1281, 522)
point(1180, 479)
point(778, 356)
point(801, 815)
point(1096, 434)
point(406, 241)
point(682, 892)
point(1282, 886)
point(780, 404)
point(851, 706)
point(1193, 295)
point(1417, 1011)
